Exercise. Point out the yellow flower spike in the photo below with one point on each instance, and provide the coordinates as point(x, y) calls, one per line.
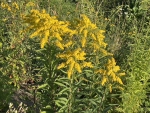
point(37, 20)
point(100, 41)
point(104, 80)
point(119, 80)
point(61, 56)
point(66, 55)
point(72, 32)
point(102, 71)
point(62, 65)
point(113, 61)
point(30, 4)
point(105, 53)
point(70, 70)
point(99, 71)
point(8, 8)
point(77, 67)
point(69, 74)
point(34, 12)
point(93, 36)
point(36, 33)
point(15, 5)
point(60, 45)
point(121, 74)
point(110, 87)
point(109, 63)
point(93, 26)
point(80, 56)
point(116, 68)
point(95, 47)
point(72, 65)
point(81, 29)
point(41, 22)
point(85, 32)
point(87, 64)
point(75, 53)
point(86, 20)
point(44, 41)
point(87, 23)
point(109, 67)
point(70, 59)
point(68, 44)
point(57, 35)
point(109, 72)
point(3, 5)
point(114, 77)
point(46, 33)
point(83, 41)
point(43, 11)
point(102, 31)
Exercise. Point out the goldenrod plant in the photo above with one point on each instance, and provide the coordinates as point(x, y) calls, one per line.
point(74, 54)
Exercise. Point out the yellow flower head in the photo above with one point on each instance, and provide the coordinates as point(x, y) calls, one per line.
point(3, 5)
point(87, 64)
point(60, 45)
point(45, 26)
point(111, 74)
point(15, 5)
point(62, 65)
point(104, 80)
point(70, 70)
point(68, 44)
point(78, 67)
point(75, 60)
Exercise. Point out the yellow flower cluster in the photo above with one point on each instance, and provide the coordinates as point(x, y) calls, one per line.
point(111, 73)
point(62, 33)
point(30, 4)
point(72, 61)
point(91, 35)
point(46, 26)
point(12, 8)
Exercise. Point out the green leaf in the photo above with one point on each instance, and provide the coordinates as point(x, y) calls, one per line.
point(42, 86)
point(43, 112)
point(1, 45)
point(60, 84)
point(64, 91)
point(61, 102)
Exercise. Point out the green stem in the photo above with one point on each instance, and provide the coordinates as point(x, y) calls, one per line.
point(71, 96)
